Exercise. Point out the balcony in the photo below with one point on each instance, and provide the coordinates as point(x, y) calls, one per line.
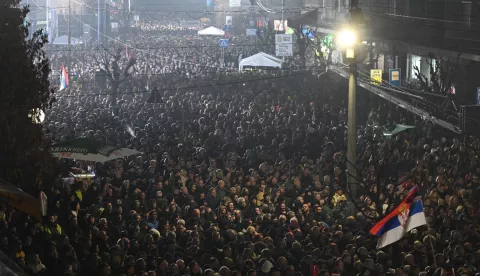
point(451, 25)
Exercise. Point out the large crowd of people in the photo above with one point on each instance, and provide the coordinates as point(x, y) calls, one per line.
point(240, 173)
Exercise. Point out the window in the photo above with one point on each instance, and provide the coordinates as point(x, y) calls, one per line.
point(414, 61)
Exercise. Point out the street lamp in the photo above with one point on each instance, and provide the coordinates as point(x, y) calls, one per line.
point(346, 40)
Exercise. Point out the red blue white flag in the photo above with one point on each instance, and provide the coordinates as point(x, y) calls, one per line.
point(407, 216)
point(63, 79)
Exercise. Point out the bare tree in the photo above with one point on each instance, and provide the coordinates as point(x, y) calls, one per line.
point(266, 38)
point(25, 91)
point(110, 61)
point(442, 74)
point(327, 45)
point(302, 43)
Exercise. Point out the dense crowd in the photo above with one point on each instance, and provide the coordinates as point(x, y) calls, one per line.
point(240, 174)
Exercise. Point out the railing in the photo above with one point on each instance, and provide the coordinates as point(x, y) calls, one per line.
point(396, 96)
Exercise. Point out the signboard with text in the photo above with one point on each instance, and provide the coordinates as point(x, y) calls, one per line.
point(283, 45)
point(395, 77)
point(235, 3)
point(376, 76)
point(228, 20)
point(251, 32)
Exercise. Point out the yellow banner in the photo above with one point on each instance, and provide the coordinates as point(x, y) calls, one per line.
point(376, 76)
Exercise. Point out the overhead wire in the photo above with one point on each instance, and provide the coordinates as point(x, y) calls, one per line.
point(150, 54)
point(136, 48)
point(372, 13)
point(369, 5)
point(166, 47)
point(187, 87)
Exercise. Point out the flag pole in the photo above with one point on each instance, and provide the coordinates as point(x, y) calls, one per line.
point(433, 251)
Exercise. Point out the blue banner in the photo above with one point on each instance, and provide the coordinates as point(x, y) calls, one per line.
point(395, 77)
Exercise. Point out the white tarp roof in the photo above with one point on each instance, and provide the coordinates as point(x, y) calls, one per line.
point(211, 31)
point(63, 40)
point(260, 60)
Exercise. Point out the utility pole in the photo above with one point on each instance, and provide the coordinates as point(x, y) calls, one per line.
point(28, 18)
point(283, 23)
point(352, 130)
point(99, 22)
point(223, 57)
point(105, 28)
point(69, 35)
point(47, 28)
point(352, 91)
point(68, 22)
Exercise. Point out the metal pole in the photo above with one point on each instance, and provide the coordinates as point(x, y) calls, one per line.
point(105, 27)
point(69, 37)
point(99, 22)
point(28, 19)
point(68, 27)
point(48, 20)
point(223, 57)
point(129, 6)
point(183, 124)
point(352, 131)
point(283, 23)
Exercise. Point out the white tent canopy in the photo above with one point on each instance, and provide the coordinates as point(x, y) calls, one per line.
point(260, 60)
point(63, 40)
point(211, 31)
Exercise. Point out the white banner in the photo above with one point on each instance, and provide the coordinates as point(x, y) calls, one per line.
point(251, 32)
point(283, 45)
point(228, 20)
point(284, 50)
point(235, 3)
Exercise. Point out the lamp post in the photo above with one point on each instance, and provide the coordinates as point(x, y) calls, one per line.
point(346, 40)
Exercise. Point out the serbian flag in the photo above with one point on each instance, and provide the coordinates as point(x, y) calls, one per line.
point(407, 216)
point(63, 79)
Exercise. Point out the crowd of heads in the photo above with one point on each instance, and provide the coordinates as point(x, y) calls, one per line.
point(240, 174)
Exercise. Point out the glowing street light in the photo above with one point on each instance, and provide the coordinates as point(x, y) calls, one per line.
point(347, 40)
